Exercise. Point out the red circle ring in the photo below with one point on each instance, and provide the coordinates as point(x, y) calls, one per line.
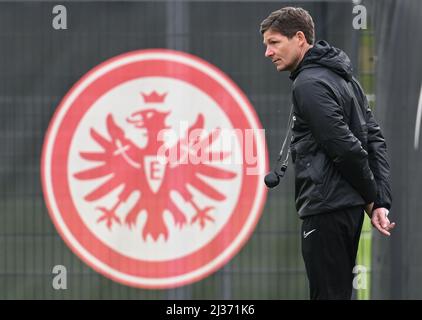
point(79, 238)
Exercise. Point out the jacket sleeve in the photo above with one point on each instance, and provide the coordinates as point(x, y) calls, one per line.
point(317, 104)
point(377, 156)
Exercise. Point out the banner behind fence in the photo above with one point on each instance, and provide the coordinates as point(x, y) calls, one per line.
point(40, 63)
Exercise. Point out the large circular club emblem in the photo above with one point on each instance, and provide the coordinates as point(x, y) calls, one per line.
point(152, 168)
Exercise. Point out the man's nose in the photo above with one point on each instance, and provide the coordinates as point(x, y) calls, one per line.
point(269, 52)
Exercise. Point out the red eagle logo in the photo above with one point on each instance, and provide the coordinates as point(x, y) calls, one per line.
point(160, 194)
point(146, 171)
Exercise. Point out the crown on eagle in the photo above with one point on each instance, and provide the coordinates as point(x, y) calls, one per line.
point(154, 97)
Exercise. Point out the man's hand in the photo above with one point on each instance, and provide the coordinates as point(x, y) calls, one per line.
point(380, 221)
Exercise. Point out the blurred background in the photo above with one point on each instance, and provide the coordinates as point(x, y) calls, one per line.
point(38, 66)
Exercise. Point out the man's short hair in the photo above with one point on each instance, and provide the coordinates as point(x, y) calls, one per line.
point(288, 21)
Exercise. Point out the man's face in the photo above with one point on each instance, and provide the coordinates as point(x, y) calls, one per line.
point(283, 52)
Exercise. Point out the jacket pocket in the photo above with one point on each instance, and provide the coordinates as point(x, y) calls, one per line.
point(315, 166)
point(309, 178)
point(302, 148)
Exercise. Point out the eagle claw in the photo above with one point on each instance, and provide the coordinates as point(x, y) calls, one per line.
point(179, 220)
point(131, 219)
point(109, 216)
point(202, 216)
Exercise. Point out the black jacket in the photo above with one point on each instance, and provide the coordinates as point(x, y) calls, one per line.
point(340, 161)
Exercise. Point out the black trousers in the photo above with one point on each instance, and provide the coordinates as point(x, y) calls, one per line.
point(329, 248)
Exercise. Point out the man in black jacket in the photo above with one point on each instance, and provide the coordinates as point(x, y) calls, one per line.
point(338, 150)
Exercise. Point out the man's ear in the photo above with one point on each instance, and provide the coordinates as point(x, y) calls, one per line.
point(301, 37)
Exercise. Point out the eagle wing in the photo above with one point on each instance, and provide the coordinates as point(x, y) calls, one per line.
point(183, 173)
point(115, 161)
